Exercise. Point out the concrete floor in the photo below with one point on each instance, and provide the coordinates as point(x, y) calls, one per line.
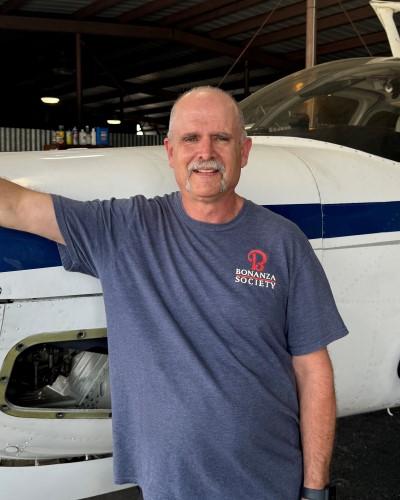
point(366, 460)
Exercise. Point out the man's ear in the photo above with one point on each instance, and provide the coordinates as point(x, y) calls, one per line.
point(246, 146)
point(169, 147)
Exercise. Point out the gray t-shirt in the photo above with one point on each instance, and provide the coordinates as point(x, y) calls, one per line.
point(203, 320)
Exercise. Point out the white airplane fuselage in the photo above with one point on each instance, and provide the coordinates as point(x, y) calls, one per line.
point(291, 173)
point(54, 391)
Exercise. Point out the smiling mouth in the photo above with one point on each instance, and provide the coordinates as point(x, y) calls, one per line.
point(206, 171)
point(206, 167)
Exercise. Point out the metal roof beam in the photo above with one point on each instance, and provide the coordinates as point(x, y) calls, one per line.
point(193, 12)
point(279, 15)
point(344, 45)
point(95, 7)
point(135, 31)
point(214, 13)
point(324, 23)
point(146, 9)
point(10, 5)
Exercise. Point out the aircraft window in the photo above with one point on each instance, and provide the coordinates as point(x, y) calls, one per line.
point(321, 111)
point(383, 119)
point(311, 82)
point(334, 110)
point(353, 103)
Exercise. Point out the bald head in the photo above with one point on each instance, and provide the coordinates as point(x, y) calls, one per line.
point(205, 92)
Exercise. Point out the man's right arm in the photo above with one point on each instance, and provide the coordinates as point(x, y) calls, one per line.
point(27, 210)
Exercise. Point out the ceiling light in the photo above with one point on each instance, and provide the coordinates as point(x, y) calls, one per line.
point(114, 121)
point(50, 100)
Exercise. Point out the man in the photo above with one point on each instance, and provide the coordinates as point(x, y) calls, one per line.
point(218, 315)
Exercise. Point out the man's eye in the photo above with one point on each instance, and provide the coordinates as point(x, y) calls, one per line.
point(190, 138)
point(222, 138)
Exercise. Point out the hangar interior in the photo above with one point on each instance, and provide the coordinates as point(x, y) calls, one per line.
point(129, 59)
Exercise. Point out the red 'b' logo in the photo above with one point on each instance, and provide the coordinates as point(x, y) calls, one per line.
point(257, 259)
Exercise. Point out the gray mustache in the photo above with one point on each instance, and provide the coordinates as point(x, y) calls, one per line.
point(213, 164)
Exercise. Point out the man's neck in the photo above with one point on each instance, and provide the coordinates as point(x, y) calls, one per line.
point(219, 211)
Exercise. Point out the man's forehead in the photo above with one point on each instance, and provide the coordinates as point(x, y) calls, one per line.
point(204, 98)
point(205, 110)
point(201, 114)
point(202, 126)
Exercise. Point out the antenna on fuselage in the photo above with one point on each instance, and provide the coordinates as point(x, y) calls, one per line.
point(385, 10)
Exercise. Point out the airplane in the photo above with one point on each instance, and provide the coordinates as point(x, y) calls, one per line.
point(326, 154)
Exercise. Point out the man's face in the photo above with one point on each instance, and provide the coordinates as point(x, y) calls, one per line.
point(205, 148)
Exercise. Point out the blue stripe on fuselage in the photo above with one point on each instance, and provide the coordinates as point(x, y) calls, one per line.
point(20, 251)
point(307, 217)
point(352, 219)
point(345, 219)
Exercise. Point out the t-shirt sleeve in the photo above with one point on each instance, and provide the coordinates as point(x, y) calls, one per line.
point(313, 320)
point(89, 230)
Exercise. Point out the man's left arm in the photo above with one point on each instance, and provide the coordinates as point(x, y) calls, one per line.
point(317, 403)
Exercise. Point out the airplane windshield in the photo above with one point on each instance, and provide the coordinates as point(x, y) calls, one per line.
point(353, 102)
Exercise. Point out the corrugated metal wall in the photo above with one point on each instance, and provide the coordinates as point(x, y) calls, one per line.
point(21, 139)
point(121, 140)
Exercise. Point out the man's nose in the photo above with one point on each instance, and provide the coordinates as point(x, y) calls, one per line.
point(207, 150)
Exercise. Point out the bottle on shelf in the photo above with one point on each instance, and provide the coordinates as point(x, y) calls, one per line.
point(61, 136)
point(93, 137)
point(75, 138)
point(68, 138)
point(88, 136)
point(82, 137)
